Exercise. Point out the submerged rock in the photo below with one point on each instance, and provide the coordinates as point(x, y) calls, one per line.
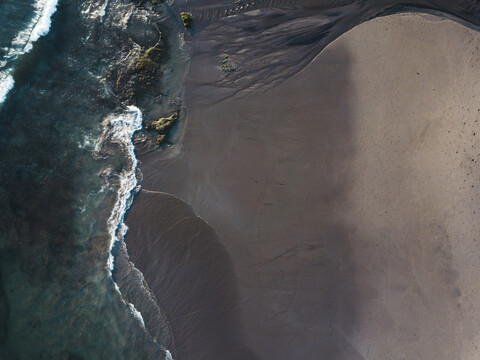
point(141, 32)
point(149, 64)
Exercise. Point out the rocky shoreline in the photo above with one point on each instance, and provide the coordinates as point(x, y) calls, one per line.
point(136, 77)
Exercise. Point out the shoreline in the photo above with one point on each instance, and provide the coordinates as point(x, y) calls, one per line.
point(237, 201)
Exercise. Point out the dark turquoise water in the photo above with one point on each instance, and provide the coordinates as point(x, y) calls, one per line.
point(66, 163)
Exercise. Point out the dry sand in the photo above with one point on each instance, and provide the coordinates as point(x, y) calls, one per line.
point(345, 202)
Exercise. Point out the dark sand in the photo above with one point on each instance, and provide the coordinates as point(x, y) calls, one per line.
point(184, 258)
point(344, 201)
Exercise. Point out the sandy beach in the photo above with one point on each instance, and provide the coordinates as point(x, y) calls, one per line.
point(334, 216)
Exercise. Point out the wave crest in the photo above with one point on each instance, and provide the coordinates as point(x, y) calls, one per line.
point(6, 84)
point(38, 26)
point(119, 130)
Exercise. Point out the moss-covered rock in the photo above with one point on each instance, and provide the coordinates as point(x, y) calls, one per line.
point(162, 126)
point(163, 123)
point(187, 19)
point(149, 64)
point(160, 139)
point(227, 65)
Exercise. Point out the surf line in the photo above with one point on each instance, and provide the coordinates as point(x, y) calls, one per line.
point(119, 129)
point(23, 42)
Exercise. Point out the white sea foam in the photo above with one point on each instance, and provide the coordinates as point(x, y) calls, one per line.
point(87, 142)
point(96, 10)
point(136, 313)
point(37, 27)
point(6, 84)
point(119, 129)
point(169, 355)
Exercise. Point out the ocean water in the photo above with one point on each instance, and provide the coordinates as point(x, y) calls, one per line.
point(68, 173)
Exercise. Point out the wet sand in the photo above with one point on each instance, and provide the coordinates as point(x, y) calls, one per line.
point(340, 208)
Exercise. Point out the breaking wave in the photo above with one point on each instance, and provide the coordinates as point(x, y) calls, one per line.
point(6, 84)
point(119, 129)
point(38, 26)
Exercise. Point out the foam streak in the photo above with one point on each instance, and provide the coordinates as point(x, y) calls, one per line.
point(6, 84)
point(119, 129)
point(23, 42)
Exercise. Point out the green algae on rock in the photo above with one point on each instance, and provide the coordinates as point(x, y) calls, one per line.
point(227, 65)
point(149, 64)
point(138, 71)
point(162, 126)
point(187, 19)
